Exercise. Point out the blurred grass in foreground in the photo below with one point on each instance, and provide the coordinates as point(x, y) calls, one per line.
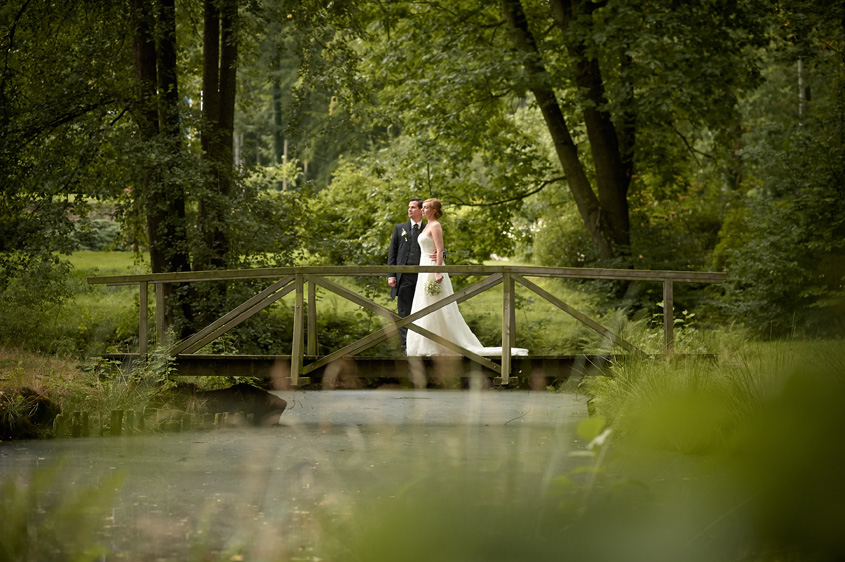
point(733, 459)
point(50, 519)
point(738, 459)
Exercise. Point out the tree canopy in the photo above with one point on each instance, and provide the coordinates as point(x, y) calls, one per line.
point(643, 134)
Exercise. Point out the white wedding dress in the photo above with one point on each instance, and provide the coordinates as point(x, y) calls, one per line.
point(446, 322)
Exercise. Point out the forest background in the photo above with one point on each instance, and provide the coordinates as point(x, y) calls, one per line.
point(204, 134)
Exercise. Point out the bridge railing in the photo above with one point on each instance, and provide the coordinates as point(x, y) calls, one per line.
point(299, 279)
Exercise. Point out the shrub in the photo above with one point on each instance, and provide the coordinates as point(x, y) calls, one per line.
point(32, 288)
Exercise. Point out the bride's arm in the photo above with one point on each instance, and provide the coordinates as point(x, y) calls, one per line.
point(437, 237)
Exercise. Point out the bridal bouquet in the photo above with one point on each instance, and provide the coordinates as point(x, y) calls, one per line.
point(432, 288)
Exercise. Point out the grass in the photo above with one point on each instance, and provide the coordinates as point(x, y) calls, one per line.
point(695, 404)
point(90, 263)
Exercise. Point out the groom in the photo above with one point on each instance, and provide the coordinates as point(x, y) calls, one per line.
point(404, 250)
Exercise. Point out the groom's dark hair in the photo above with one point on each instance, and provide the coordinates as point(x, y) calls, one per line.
point(418, 200)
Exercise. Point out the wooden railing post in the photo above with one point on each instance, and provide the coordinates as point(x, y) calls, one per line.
point(160, 326)
point(312, 319)
point(508, 324)
point(298, 332)
point(142, 318)
point(668, 317)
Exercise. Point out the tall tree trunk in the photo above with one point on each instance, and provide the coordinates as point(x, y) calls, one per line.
point(144, 62)
point(174, 240)
point(613, 172)
point(278, 145)
point(220, 55)
point(595, 220)
point(154, 60)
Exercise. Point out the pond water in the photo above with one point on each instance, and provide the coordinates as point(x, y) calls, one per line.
point(338, 461)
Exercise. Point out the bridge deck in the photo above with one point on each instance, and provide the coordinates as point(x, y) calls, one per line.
point(534, 371)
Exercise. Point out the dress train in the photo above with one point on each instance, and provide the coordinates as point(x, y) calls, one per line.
point(447, 322)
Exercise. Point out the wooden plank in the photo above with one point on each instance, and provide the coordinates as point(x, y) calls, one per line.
point(161, 328)
point(615, 338)
point(507, 326)
point(312, 319)
point(371, 367)
point(383, 270)
point(143, 311)
point(298, 332)
point(621, 274)
point(668, 317)
point(387, 332)
point(236, 316)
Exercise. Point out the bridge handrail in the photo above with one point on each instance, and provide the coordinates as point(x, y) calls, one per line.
point(295, 278)
point(383, 270)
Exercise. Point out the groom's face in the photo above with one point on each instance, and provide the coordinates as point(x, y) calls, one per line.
point(414, 211)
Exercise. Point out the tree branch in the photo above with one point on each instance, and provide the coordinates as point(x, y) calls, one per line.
point(11, 36)
point(692, 150)
point(523, 195)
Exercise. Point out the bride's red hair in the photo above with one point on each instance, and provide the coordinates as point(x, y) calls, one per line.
point(435, 204)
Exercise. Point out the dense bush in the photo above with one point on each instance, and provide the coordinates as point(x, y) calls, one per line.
point(560, 239)
point(98, 235)
point(783, 244)
point(32, 289)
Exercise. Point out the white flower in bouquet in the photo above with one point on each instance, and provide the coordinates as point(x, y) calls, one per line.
point(432, 288)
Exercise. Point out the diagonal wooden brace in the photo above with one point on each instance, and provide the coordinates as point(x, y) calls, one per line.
point(231, 319)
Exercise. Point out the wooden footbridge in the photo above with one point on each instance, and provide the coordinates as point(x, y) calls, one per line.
point(304, 362)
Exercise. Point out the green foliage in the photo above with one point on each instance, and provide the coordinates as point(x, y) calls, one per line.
point(53, 131)
point(98, 234)
point(677, 229)
point(695, 404)
point(783, 244)
point(353, 218)
point(115, 387)
point(560, 239)
point(32, 289)
point(756, 421)
point(270, 332)
point(16, 413)
point(267, 228)
point(452, 81)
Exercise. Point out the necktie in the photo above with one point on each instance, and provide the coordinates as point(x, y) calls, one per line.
point(416, 230)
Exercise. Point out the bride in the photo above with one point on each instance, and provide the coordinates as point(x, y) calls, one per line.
point(446, 322)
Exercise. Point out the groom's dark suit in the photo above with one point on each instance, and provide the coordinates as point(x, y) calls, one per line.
point(404, 250)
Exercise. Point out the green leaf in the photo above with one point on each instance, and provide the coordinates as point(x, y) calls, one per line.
point(590, 428)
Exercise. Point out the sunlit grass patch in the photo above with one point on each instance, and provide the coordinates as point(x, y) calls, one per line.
point(93, 263)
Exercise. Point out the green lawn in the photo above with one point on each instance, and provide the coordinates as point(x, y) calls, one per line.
point(89, 264)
